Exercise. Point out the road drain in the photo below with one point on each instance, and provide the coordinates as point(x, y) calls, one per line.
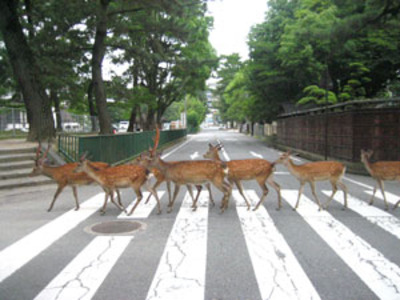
point(115, 228)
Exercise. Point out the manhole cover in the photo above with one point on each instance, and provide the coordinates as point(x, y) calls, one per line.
point(115, 227)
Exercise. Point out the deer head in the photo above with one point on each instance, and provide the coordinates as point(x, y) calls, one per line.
point(39, 161)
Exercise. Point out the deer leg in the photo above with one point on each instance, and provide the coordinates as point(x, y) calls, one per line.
point(240, 188)
point(277, 189)
point(373, 195)
point(119, 197)
point(103, 209)
point(226, 188)
point(59, 190)
point(344, 188)
point(312, 184)
point(299, 195)
point(208, 185)
point(396, 205)
point(176, 191)
point(334, 190)
point(263, 186)
point(115, 203)
point(153, 191)
point(75, 192)
point(155, 186)
point(381, 185)
point(139, 197)
point(199, 188)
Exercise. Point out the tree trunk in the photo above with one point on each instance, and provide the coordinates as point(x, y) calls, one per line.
point(149, 122)
point(132, 119)
point(56, 100)
point(26, 72)
point(92, 110)
point(97, 76)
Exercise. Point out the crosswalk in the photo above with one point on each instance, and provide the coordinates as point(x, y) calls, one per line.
point(180, 270)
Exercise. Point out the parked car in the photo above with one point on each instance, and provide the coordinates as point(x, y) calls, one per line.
point(17, 126)
point(71, 127)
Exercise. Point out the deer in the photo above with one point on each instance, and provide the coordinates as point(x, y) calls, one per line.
point(194, 172)
point(381, 171)
point(143, 159)
point(260, 170)
point(115, 177)
point(63, 175)
point(122, 176)
point(316, 171)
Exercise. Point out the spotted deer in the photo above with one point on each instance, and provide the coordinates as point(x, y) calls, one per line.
point(381, 171)
point(316, 171)
point(260, 170)
point(116, 177)
point(144, 160)
point(64, 175)
point(195, 172)
point(122, 176)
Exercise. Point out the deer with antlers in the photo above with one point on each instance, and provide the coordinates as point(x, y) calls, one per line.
point(316, 171)
point(123, 176)
point(64, 175)
point(381, 171)
point(260, 170)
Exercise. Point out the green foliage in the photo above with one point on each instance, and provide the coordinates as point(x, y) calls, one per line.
point(317, 95)
point(356, 41)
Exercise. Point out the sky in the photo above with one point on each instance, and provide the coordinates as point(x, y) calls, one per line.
point(232, 22)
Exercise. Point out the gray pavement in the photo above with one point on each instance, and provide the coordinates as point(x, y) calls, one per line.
point(240, 254)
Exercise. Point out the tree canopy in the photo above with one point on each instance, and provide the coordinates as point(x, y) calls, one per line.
point(307, 52)
point(162, 45)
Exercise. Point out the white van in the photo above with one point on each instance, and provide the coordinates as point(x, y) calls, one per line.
point(71, 127)
point(123, 126)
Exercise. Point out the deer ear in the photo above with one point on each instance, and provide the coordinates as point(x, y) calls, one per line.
point(210, 145)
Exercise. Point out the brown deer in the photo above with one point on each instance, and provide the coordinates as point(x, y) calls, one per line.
point(123, 176)
point(113, 178)
point(144, 160)
point(64, 175)
point(260, 170)
point(381, 171)
point(194, 172)
point(316, 171)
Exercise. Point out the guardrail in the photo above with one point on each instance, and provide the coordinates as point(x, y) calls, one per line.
point(115, 148)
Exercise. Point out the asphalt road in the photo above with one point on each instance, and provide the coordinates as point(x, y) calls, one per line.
point(237, 255)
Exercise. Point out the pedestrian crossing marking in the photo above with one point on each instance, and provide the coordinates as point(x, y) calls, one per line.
point(279, 275)
point(378, 273)
point(374, 215)
point(182, 267)
point(391, 198)
point(143, 210)
point(87, 271)
point(21, 252)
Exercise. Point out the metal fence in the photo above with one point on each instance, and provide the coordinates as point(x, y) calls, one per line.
point(115, 148)
point(341, 131)
point(13, 120)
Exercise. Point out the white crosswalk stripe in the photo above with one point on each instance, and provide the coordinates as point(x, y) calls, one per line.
point(83, 276)
point(378, 273)
point(278, 272)
point(18, 254)
point(391, 198)
point(143, 210)
point(375, 215)
point(181, 272)
point(180, 268)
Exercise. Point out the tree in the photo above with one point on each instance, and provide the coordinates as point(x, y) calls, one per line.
point(26, 71)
